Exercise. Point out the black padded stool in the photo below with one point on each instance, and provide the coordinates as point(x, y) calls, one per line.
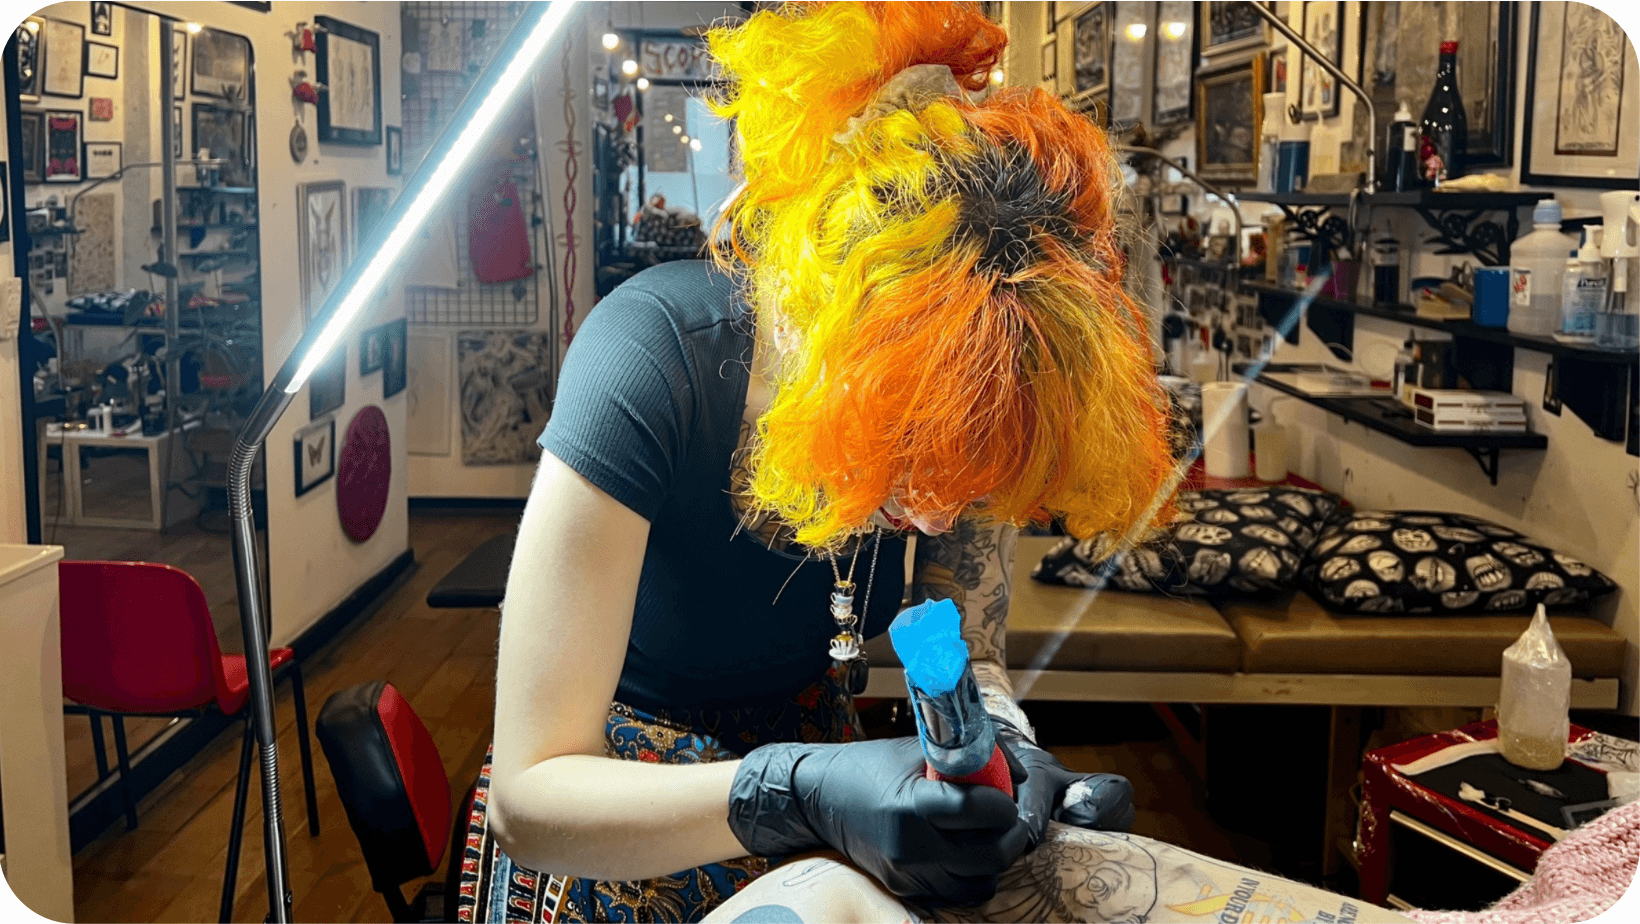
point(480, 580)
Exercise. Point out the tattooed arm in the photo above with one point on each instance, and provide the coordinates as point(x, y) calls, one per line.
point(972, 566)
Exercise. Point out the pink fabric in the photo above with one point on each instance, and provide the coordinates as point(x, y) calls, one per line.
point(1576, 879)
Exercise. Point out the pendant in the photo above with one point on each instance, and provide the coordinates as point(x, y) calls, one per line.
point(858, 672)
point(845, 645)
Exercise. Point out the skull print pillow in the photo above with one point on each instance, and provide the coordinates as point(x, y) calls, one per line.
point(1419, 562)
point(1248, 541)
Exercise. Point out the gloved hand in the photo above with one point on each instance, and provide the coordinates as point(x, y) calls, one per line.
point(869, 799)
point(1101, 801)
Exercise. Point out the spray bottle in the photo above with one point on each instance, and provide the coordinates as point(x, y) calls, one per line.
point(1584, 297)
point(1618, 326)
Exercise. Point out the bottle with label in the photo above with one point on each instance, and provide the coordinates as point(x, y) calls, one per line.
point(1539, 258)
point(1404, 375)
point(1444, 127)
point(1534, 698)
point(1584, 296)
point(1401, 152)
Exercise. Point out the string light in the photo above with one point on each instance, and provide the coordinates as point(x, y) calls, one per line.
point(694, 143)
point(668, 117)
point(677, 129)
point(612, 41)
point(629, 67)
point(684, 139)
point(1136, 31)
point(643, 83)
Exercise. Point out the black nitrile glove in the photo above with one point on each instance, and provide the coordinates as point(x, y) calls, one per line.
point(869, 799)
point(1101, 801)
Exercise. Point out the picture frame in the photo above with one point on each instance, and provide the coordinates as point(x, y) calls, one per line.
point(102, 60)
point(179, 63)
point(32, 141)
point(102, 159)
point(321, 241)
point(327, 388)
point(395, 354)
point(1276, 71)
point(1229, 118)
point(101, 109)
point(1050, 62)
point(177, 147)
point(30, 58)
point(394, 149)
point(315, 455)
point(5, 203)
point(600, 91)
point(371, 349)
point(1400, 48)
point(1322, 26)
point(370, 205)
point(1577, 135)
point(102, 19)
point(1132, 58)
point(347, 64)
point(428, 411)
point(1091, 49)
point(64, 133)
point(221, 64)
point(62, 49)
point(1227, 27)
point(225, 134)
point(1173, 95)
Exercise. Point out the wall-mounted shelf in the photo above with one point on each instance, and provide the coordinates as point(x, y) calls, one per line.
point(227, 190)
point(1456, 217)
point(1387, 416)
point(210, 226)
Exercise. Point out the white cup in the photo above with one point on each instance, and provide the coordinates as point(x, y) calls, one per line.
point(1270, 452)
point(1224, 429)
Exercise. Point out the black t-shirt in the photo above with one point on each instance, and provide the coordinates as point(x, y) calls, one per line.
point(649, 409)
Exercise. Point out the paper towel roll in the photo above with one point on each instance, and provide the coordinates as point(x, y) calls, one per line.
point(1269, 452)
point(1224, 429)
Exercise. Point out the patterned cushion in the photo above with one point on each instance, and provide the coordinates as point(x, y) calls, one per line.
point(1422, 562)
point(1227, 541)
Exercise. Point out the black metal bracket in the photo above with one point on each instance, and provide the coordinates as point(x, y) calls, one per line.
point(1488, 460)
point(1464, 232)
point(1325, 228)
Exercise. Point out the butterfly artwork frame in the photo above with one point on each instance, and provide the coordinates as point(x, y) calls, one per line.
point(315, 455)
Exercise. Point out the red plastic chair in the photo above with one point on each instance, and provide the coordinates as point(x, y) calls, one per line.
point(138, 639)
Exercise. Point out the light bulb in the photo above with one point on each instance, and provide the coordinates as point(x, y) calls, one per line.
point(612, 41)
point(629, 67)
point(684, 139)
point(194, 28)
point(667, 117)
point(1174, 30)
point(677, 129)
point(643, 83)
point(997, 76)
point(1136, 31)
point(694, 143)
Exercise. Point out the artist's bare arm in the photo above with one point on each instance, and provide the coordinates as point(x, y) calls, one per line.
point(556, 802)
point(972, 566)
point(816, 887)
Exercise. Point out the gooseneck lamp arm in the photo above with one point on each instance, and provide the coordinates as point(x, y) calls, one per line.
point(1268, 11)
point(1235, 205)
point(486, 102)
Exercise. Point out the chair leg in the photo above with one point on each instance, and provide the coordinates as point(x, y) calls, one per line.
point(300, 697)
point(230, 877)
point(124, 758)
point(97, 746)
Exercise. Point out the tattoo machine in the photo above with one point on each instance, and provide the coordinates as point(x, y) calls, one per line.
point(957, 737)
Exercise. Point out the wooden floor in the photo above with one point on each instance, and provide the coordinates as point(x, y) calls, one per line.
point(170, 868)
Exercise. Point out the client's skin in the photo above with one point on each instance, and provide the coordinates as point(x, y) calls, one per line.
point(1075, 875)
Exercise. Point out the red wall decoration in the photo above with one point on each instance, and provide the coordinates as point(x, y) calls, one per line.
point(364, 473)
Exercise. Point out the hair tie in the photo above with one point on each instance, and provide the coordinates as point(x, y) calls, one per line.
point(912, 89)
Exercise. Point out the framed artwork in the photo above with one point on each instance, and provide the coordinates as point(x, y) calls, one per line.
point(223, 134)
point(62, 58)
point(395, 150)
point(1230, 27)
point(1400, 47)
point(102, 159)
point(176, 132)
point(221, 65)
point(315, 455)
point(321, 241)
point(5, 204)
point(600, 91)
point(261, 6)
point(29, 58)
point(395, 355)
point(1050, 63)
point(1323, 27)
point(1130, 63)
point(370, 351)
point(1175, 62)
point(1228, 117)
point(1583, 125)
point(102, 19)
point(370, 205)
point(63, 138)
point(102, 60)
point(32, 129)
point(327, 389)
point(1090, 56)
point(348, 64)
point(1277, 72)
point(179, 63)
point(102, 109)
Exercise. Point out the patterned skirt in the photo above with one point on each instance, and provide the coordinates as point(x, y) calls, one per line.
point(495, 890)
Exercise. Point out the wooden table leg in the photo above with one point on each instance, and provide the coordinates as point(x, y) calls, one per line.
point(1343, 769)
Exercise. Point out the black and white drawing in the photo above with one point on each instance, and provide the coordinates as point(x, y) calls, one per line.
point(102, 60)
point(1091, 44)
point(348, 66)
point(1131, 62)
point(1590, 91)
point(1229, 26)
point(102, 159)
point(505, 394)
point(62, 58)
point(1175, 62)
point(1583, 127)
point(321, 239)
point(33, 143)
point(1324, 29)
point(102, 19)
point(1228, 114)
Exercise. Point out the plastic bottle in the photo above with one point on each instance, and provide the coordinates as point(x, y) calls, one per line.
point(1401, 152)
point(1541, 254)
point(1584, 296)
point(1403, 371)
point(1535, 697)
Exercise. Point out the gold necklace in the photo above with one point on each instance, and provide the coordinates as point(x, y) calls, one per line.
point(845, 645)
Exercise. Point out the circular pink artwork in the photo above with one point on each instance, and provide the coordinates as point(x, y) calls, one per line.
point(363, 474)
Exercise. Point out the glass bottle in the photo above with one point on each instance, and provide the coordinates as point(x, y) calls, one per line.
point(1444, 127)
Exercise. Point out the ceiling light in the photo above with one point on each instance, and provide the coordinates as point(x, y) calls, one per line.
point(612, 41)
point(629, 67)
point(1136, 31)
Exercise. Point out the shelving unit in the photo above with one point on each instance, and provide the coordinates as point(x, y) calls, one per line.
point(1456, 217)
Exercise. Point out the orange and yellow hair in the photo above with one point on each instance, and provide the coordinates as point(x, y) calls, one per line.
point(949, 275)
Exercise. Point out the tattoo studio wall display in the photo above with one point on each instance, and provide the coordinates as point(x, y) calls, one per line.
point(27, 39)
point(102, 159)
point(1583, 123)
point(221, 64)
point(1090, 42)
point(102, 109)
point(370, 204)
point(176, 132)
point(427, 413)
point(1130, 63)
point(1230, 26)
point(1276, 72)
point(327, 388)
point(1175, 62)
point(321, 241)
point(315, 455)
point(102, 60)
point(370, 351)
point(1400, 47)
point(62, 56)
point(348, 64)
point(32, 129)
point(505, 394)
point(62, 148)
point(395, 355)
point(1323, 27)
point(1228, 117)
